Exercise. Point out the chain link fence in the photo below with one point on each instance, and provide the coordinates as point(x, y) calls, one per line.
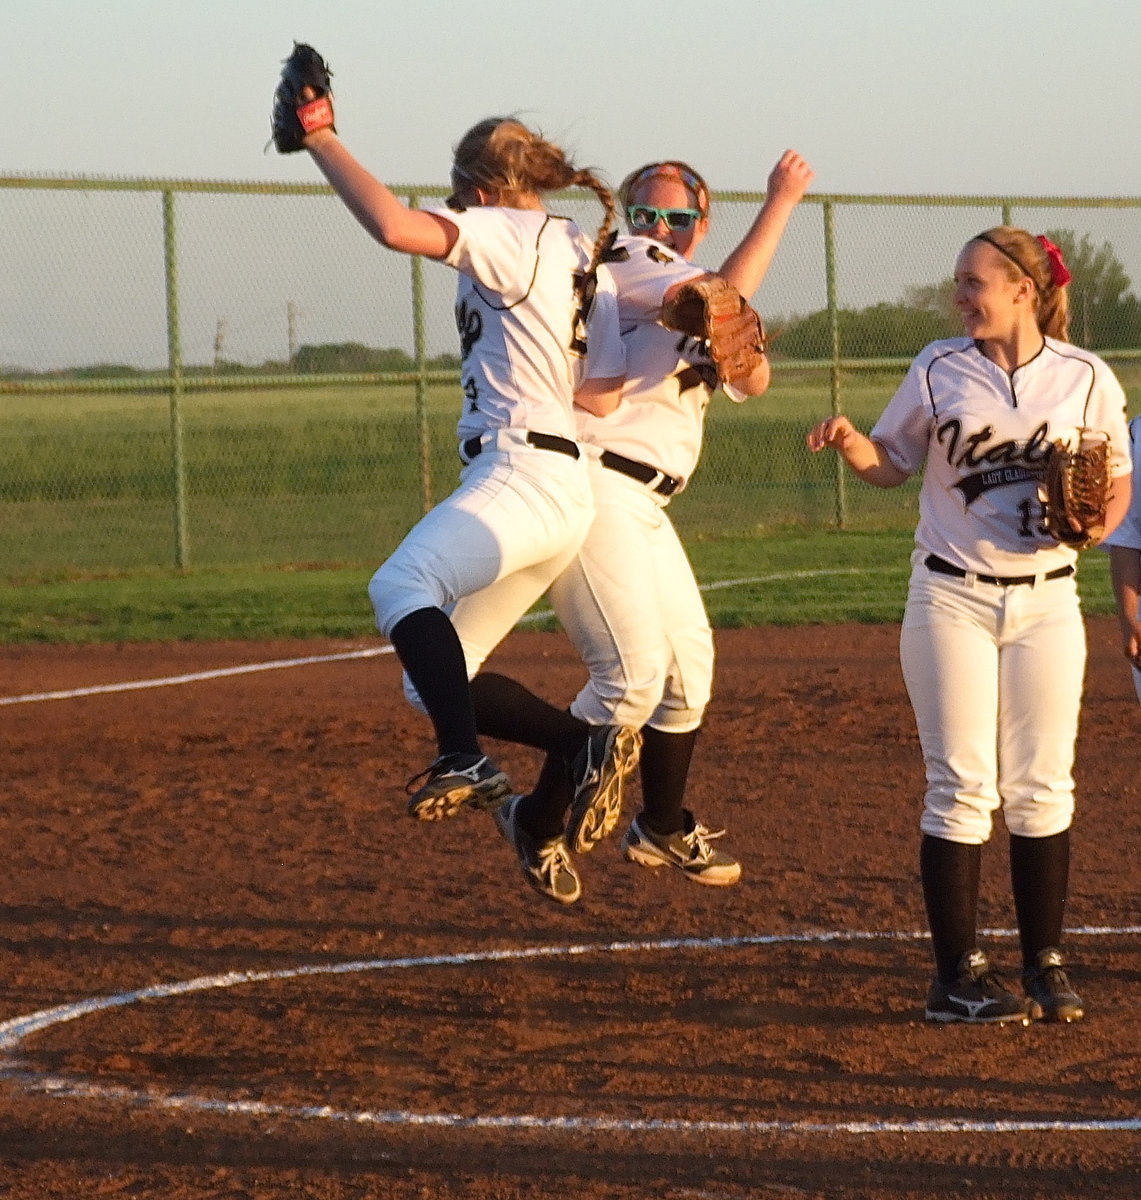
point(201, 373)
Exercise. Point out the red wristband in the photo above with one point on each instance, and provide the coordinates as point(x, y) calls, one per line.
point(317, 114)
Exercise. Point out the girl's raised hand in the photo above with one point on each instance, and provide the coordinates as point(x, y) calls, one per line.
point(836, 432)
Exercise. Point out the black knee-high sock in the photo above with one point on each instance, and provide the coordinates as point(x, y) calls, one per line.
point(1039, 878)
point(506, 710)
point(430, 651)
point(950, 874)
point(665, 768)
point(544, 812)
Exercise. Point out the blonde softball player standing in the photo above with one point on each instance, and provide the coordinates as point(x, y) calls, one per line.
point(992, 644)
point(629, 600)
point(1124, 545)
point(526, 279)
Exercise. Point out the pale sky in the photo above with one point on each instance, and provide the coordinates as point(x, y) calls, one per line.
point(980, 97)
point(884, 95)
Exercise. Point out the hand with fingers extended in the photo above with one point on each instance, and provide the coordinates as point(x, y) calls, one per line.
point(868, 459)
point(837, 432)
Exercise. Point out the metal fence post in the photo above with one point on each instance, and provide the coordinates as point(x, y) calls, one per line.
point(419, 342)
point(174, 363)
point(834, 332)
point(103, 491)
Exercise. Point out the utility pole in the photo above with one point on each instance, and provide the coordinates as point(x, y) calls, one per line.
point(291, 317)
point(220, 345)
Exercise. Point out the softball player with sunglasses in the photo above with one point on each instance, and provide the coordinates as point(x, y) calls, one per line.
point(992, 643)
point(629, 600)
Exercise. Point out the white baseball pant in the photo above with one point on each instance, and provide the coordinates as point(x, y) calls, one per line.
point(491, 549)
point(995, 676)
point(631, 606)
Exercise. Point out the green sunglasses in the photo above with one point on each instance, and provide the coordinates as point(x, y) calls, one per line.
point(646, 216)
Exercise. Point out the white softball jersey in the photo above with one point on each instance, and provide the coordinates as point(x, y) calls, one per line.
point(669, 377)
point(629, 601)
point(490, 549)
point(522, 336)
point(994, 669)
point(982, 435)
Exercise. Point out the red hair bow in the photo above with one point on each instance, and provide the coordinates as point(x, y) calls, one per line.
point(1058, 269)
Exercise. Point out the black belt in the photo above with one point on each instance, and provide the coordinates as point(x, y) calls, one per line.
point(942, 567)
point(541, 441)
point(666, 484)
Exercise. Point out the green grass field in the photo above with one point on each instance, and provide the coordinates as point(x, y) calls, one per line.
point(293, 496)
point(333, 475)
point(783, 579)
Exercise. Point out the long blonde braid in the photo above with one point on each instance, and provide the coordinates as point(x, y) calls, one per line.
point(508, 160)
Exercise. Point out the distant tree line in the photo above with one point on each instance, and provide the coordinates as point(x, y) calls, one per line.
point(353, 358)
point(1104, 313)
point(349, 358)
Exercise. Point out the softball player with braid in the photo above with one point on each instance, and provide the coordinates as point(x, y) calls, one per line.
point(479, 559)
point(629, 600)
point(1124, 545)
point(992, 644)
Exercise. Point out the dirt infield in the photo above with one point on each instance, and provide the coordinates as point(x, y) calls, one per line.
point(384, 1009)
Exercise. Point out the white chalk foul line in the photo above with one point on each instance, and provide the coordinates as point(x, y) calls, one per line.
point(15, 1030)
point(136, 685)
point(279, 664)
point(77, 1090)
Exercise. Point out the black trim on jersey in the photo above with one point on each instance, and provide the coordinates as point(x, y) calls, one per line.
point(931, 366)
point(1037, 354)
point(1092, 372)
point(1010, 374)
point(976, 344)
point(534, 274)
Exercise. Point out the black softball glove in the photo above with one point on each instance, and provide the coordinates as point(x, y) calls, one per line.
point(303, 101)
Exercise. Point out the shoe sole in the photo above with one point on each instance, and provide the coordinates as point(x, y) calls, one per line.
point(537, 886)
point(592, 820)
point(943, 1018)
point(1061, 1016)
point(711, 878)
point(482, 796)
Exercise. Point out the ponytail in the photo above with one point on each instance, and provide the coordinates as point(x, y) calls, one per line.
point(588, 179)
point(508, 160)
